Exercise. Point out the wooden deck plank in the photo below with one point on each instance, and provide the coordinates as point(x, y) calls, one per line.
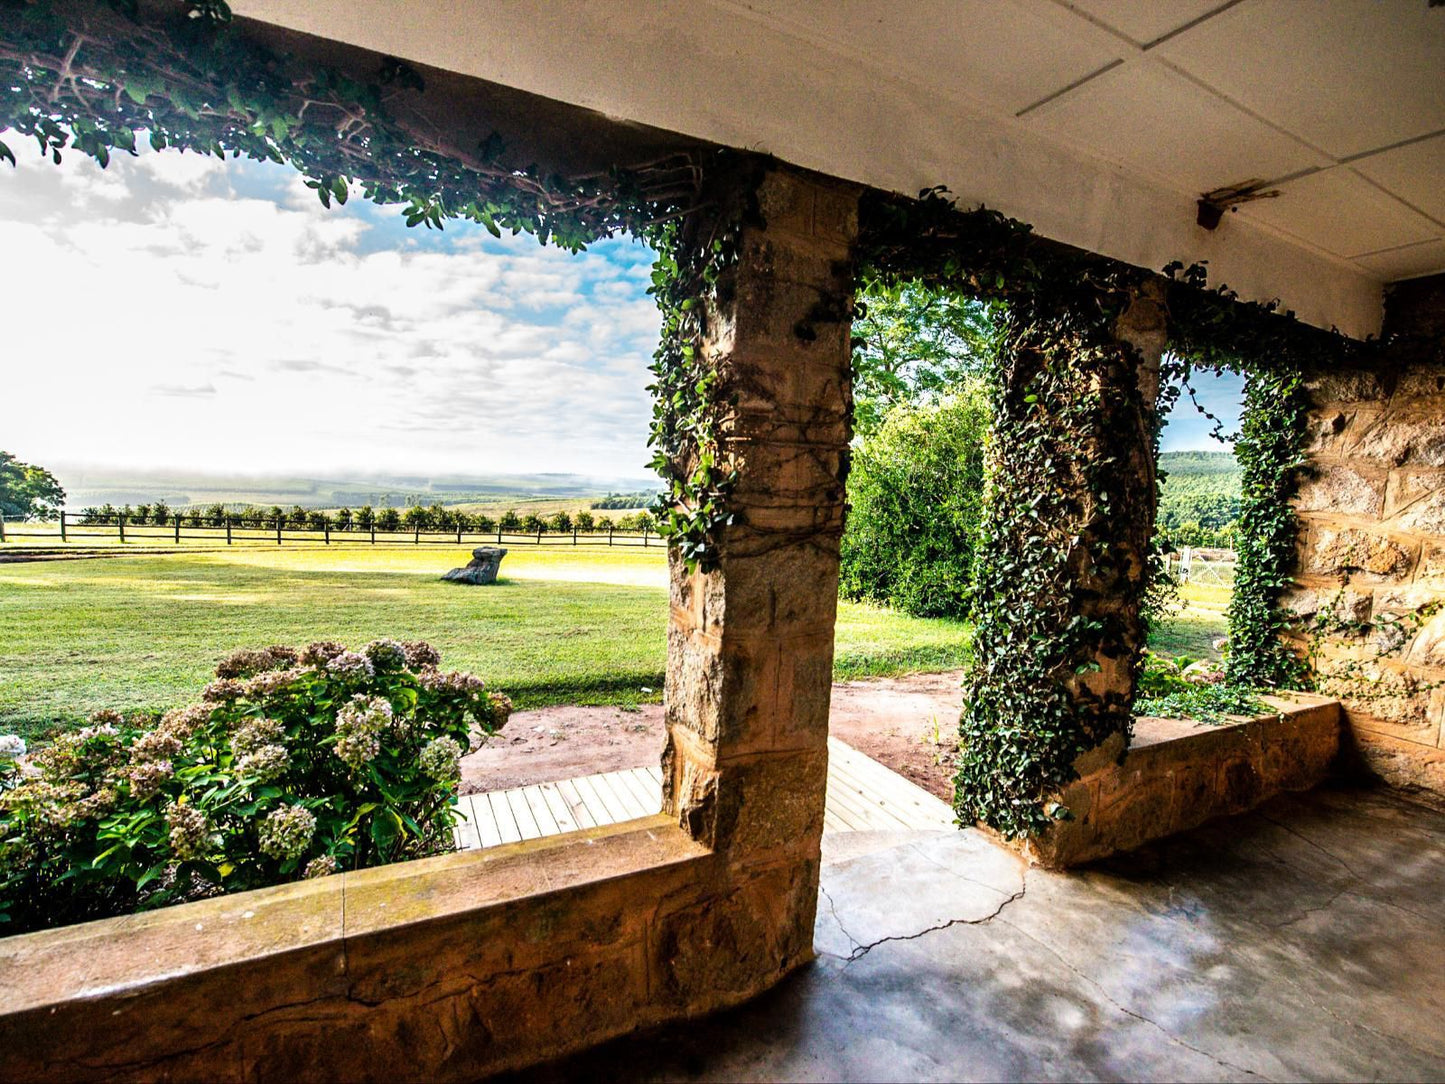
point(864, 815)
point(604, 808)
point(561, 811)
point(581, 815)
point(538, 804)
point(502, 812)
point(465, 830)
point(526, 823)
point(488, 833)
point(647, 790)
point(873, 804)
point(621, 793)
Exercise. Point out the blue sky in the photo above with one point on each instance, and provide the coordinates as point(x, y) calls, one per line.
point(182, 312)
point(178, 311)
point(1186, 430)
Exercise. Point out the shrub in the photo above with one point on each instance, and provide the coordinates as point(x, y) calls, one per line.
point(560, 523)
point(293, 764)
point(509, 521)
point(532, 524)
point(388, 519)
point(915, 495)
point(584, 521)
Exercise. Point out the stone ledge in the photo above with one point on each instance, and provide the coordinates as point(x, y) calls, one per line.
point(445, 968)
point(1179, 773)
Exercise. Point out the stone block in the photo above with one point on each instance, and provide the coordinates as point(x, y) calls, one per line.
point(1428, 646)
point(1410, 485)
point(1344, 550)
point(1342, 490)
point(1344, 386)
point(1399, 439)
point(772, 803)
point(720, 950)
point(1420, 381)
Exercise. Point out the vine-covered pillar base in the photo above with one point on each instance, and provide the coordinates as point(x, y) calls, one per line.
point(1064, 551)
point(750, 643)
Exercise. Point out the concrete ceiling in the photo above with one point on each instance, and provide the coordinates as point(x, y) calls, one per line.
point(1099, 121)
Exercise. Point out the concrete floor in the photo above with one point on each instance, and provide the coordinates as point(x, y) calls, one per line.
point(1303, 941)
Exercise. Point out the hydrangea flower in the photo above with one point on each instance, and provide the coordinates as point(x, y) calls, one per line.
point(183, 722)
point(286, 832)
point(146, 777)
point(321, 652)
point(245, 663)
point(223, 690)
point(420, 654)
point(351, 666)
point(106, 718)
point(275, 682)
point(359, 726)
point(264, 764)
point(190, 831)
point(12, 746)
point(158, 744)
point(385, 655)
point(441, 758)
point(256, 733)
point(324, 866)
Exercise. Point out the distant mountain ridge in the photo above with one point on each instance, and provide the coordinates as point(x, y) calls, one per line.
point(88, 485)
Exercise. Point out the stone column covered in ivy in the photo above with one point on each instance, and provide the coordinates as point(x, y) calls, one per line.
point(1062, 570)
point(759, 460)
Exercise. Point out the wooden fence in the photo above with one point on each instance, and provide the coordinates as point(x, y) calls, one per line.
point(114, 529)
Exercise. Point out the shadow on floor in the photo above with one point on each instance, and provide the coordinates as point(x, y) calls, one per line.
point(1302, 941)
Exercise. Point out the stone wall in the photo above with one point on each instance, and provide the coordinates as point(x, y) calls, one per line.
point(1177, 774)
point(1370, 591)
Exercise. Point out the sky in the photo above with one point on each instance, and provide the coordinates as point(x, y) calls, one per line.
point(176, 311)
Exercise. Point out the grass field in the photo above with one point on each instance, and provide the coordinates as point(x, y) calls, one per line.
point(144, 632)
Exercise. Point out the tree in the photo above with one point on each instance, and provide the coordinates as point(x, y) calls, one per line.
point(914, 342)
point(915, 495)
point(28, 491)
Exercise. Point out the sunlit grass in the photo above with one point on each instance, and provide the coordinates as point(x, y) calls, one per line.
point(143, 633)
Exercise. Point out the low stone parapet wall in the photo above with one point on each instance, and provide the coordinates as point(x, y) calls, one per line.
point(1178, 774)
point(448, 968)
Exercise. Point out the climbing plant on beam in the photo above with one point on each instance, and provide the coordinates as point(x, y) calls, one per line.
point(97, 77)
point(1213, 329)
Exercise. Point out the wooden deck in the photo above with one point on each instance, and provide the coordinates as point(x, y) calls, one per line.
point(863, 796)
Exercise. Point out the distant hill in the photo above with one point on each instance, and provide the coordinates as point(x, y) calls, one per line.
point(90, 485)
point(1200, 487)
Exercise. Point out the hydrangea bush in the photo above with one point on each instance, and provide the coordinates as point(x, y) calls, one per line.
point(293, 764)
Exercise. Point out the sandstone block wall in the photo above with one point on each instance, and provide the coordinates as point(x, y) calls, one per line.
point(1370, 591)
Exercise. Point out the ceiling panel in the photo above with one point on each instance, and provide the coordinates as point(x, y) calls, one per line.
point(1415, 173)
point(1342, 213)
point(1148, 21)
point(1347, 75)
point(1404, 263)
point(1005, 54)
point(1145, 116)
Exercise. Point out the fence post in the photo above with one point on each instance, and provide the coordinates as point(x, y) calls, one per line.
point(609, 534)
point(120, 522)
point(645, 530)
point(539, 536)
point(228, 530)
point(373, 532)
point(326, 532)
point(278, 530)
point(1185, 564)
point(2, 528)
point(62, 529)
point(459, 534)
point(499, 534)
point(178, 528)
point(416, 535)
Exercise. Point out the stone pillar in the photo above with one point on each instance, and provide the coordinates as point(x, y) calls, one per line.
point(750, 645)
point(1068, 521)
point(1369, 599)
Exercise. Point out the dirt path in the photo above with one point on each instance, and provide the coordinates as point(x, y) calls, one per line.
point(907, 723)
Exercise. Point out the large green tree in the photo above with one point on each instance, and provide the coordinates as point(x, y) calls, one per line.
point(913, 343)
point(28, 492)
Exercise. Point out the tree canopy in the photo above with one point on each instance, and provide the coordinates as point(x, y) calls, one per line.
point(27, 491)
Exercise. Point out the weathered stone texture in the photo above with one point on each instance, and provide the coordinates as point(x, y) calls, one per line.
point(1179, 774)
point(1371, 593)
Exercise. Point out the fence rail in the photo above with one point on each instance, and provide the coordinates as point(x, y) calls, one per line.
point(71, 527)
point(1204, 566)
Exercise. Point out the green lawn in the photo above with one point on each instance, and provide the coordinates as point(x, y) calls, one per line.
point(1200, 621)
point(563, 626)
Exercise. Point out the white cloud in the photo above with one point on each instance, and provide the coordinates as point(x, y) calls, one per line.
point(180, 311)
